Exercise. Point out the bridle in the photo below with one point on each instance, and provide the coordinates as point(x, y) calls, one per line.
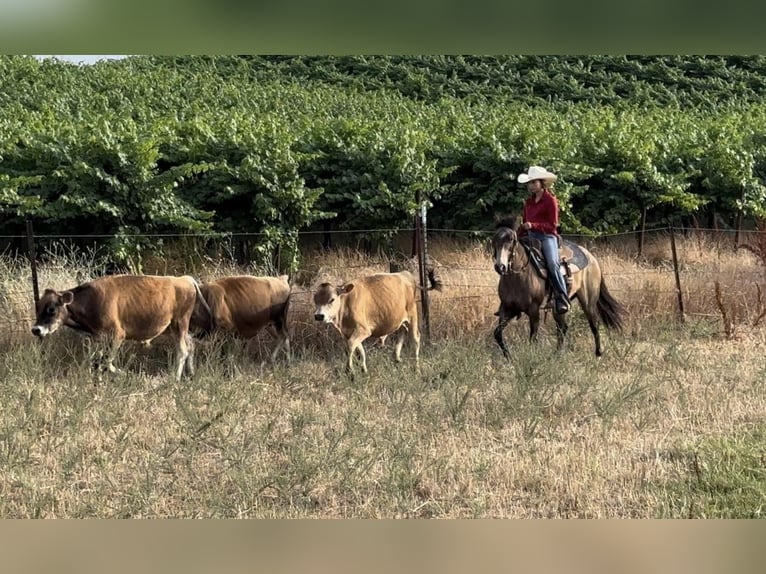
point(514, 241)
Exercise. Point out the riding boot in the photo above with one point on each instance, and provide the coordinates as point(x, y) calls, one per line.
point(562, 303)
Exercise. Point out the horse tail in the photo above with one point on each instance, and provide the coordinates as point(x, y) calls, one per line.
point(612, 312)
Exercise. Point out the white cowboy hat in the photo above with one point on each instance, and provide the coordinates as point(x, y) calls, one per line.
point(536, 172)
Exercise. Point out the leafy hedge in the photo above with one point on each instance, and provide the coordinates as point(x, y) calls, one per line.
point(276, 145)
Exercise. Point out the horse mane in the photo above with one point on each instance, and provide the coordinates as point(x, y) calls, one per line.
point(512, 221)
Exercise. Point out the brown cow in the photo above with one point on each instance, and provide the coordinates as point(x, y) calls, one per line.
point(119, 307)
point(373, 306)
point(244, 305)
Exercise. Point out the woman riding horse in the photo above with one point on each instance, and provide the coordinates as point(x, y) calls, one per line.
point(523, 289)
point(540, 221)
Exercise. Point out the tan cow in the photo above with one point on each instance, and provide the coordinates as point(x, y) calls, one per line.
point(119, 307)
point(244, 305)
point(373, 306)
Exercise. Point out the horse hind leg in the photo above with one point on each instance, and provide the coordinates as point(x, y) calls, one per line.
point(590, 314)
point(561, 329)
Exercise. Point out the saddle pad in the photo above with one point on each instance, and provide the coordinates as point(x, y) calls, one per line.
point(578, 258)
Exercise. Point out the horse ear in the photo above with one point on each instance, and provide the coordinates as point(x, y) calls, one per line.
point(512, 220)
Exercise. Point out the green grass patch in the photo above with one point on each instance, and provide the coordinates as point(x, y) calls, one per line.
point(720, 477)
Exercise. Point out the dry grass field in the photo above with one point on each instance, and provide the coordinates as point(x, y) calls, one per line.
point(669, 423)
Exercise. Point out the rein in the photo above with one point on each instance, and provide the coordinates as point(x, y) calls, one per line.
point(513, 257)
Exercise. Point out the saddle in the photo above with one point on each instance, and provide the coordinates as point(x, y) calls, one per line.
point(572, 259)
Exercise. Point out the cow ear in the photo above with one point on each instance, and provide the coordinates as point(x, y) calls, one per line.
point(67, 297)
point(345, 288)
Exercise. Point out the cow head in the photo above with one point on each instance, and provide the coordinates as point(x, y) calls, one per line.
point(327, 301)
point(51, 312)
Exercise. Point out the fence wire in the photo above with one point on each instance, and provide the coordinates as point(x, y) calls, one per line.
point(654, 265)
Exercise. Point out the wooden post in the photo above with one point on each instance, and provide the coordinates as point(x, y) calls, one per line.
point(32, 259)
point(738, 222)
point(327, 237)
point(420, 231)
point(641, 233)
point(681, 314)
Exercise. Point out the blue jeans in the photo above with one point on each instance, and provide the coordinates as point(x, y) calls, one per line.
point(550, 247)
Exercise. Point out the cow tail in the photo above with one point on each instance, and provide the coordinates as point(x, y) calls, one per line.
point(204, 303)
point(281, 317)
point(432, 271)
point(434, 276)
point(285, 309)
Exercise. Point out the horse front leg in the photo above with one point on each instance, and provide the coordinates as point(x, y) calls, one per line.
point(501, 325)
point(534, 322)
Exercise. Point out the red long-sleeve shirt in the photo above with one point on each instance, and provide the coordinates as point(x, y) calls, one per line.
point(543, 214)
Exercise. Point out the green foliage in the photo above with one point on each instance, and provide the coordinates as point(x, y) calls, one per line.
point(271, 145)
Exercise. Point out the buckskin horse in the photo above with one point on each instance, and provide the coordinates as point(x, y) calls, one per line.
point(524, 288)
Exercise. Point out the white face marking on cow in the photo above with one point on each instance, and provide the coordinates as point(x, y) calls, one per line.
point(327, 300)
point(51, 312)
point(327, 312)
point(40, 330)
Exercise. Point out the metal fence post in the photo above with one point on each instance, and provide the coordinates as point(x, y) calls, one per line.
point(420, 232)
point(681, 314)
point(32, 259)
point(641, 233)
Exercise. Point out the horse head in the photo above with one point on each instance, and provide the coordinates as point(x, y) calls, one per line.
point(504, 243)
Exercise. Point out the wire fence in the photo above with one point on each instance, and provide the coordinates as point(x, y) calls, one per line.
point(673, 271)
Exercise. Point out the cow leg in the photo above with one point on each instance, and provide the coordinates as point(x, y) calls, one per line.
point(189, 362)
point(355, 344)
point(415, 338)
point(184, 351)
point(283, 341)
point(414, 329)
point(116, 343)
point(399, 344)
